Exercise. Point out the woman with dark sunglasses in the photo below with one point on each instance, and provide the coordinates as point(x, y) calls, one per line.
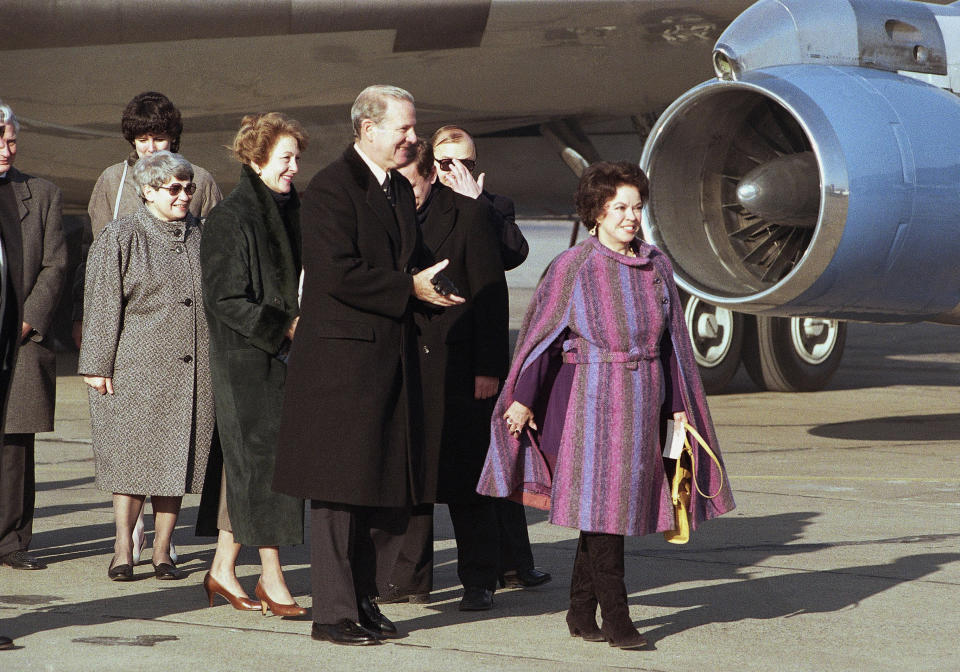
point(145, 359)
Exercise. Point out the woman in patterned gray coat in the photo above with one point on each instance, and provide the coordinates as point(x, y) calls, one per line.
point(144, 356)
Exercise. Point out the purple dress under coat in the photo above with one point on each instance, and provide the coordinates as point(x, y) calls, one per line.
point(603, 470)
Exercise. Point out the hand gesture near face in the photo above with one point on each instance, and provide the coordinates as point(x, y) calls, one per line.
point(461, 180)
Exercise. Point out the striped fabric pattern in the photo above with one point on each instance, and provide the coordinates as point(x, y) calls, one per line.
point(612, 311)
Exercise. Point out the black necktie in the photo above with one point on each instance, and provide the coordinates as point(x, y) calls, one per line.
point(387, 187)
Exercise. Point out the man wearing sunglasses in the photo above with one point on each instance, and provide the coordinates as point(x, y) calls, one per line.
point(455, 157)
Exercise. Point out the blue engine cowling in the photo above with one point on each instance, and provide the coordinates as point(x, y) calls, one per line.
point(812, 190)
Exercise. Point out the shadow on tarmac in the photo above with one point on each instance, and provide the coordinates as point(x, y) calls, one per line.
point(910, 428)
point(731, 550)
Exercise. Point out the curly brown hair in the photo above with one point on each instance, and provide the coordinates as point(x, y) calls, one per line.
point(599, 184)
point(152, 112)
point(259, 133)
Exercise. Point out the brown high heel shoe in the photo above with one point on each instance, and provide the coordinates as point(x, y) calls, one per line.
point(213, 587)
point(277, 608)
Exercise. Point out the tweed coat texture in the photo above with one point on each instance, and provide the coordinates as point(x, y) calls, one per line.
point(103, 199)
point(611, 311)
point(33, 391)
point(459, 343)
point(352, 417)
point(251, 274)
point(144, 329)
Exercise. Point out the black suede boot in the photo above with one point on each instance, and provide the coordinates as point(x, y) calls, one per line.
point(582, 615)
point(606, 559)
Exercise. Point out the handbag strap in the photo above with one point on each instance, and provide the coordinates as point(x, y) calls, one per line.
point(692, 431)
point(116, 206)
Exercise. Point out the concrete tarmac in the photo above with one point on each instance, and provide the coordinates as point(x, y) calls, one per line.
point(842, 555)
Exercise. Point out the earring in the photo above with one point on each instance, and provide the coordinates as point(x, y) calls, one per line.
point(593, 230)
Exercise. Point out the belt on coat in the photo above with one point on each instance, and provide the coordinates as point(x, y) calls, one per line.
point(630, 358)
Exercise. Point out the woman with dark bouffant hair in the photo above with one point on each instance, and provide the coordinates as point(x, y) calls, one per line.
point(250, 260)
point(603, 359)
point(150, 123)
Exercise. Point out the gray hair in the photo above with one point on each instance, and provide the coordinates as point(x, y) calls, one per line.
point(372, 104)
point(160, 167)
point(8, 117)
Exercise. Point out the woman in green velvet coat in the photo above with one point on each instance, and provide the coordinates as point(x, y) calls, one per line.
point(251, 273)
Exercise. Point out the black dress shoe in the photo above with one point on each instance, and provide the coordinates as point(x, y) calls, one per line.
point(524, 578)
point(167, 572)
point(344, 631)
point(373, 620)
point(5, 643)
point(476, 599)
point(22, 560)
point(120, 572)
point(395, 595)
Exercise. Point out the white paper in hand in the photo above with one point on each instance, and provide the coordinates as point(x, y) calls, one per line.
point(675, 436)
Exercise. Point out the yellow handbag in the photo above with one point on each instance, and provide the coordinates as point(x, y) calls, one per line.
point(684, 478)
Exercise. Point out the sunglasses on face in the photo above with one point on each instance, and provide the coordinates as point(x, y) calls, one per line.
point(176, 188)
point(447, 164)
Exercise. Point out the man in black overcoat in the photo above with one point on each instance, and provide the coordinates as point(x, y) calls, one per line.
point(351, 431)
point(455, 154)
point(463, 356)
point(11, 319)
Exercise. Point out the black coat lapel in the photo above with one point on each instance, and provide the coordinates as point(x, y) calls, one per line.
point(440, 218)
point(376, 199)
point(20, 188)
point(406, 211)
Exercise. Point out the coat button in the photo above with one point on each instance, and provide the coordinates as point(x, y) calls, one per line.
point(277, 300)
point(187, 359)
point(188, 302)
point(663, 300)
point(426, 350)
point(178, 233)
point(179, 249)
point(656, 281)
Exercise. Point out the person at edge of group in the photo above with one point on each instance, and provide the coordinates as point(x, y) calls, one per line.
point(251, 269)
point(150, 123)
point(456, 159)
point(12, 473)
point(144, 357)
point(603, 359)
point(33, 388)
point(351, 429)
point(464, 354)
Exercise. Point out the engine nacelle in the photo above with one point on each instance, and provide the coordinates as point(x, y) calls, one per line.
point(812, 190)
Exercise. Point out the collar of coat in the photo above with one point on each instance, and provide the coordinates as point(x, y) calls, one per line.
point(399, 220)
point(18, 181)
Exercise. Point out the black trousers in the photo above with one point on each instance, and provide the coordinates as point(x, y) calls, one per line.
point(349, 547)
point(17, 492)
point(515, 551)
point(477, 534)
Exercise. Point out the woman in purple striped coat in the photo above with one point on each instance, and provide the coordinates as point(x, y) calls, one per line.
point(602, 360)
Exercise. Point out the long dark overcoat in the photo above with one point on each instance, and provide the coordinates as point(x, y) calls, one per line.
point(352, 420)
point(34, 389)
point(251, 274)
point(459, 343)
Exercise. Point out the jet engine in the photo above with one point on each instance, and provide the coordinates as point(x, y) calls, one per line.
point(811, 190)
point(818, 177)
